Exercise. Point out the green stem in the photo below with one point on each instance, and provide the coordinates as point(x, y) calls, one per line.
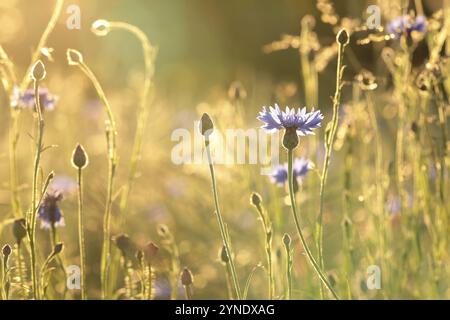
point(329, 140)
point(309, 255)
point(31, 225)
point(142, 115)
point(188, 292)
point(81, 235)
point(221, 223)
point(111, 134)
point(42, 42)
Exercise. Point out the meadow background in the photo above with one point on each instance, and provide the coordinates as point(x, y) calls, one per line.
point(203, 48)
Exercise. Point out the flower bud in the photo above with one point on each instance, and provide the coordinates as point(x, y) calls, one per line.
point(255, 199)
point(79, 157)
point(342, 37)
point(223, 255)
point(38, 72)
point(6, 251)
point(290, 139)
point(125, 245)
point(19, 230)
point(74, 57)
point(287, 240)
point(58, 248)
point(206, 125)
point(186, 277)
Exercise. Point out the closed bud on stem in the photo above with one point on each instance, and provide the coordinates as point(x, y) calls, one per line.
point(125, 245)
point(290, 138)
point(223, 255)
point(58, 248)
point(101, 27)
point(286, 240)
point(255, 199)
point(79, 157)
point(38, 72)
point(6, 251)
point(186, 277)
point(206, 125)
point(74, 57)
point(19, 230)
point(342, 37)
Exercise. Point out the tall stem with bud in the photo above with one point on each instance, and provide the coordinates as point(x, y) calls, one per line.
point(76, 59)
point(79, 162)
point(206, 128)
point(38, 74)
point(342, 40)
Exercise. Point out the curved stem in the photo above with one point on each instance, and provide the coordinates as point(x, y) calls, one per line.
point(309, 255)
point(37, 52)
point(111, 133)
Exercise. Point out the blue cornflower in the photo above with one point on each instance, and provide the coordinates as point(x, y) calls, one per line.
point(300, 168)
point(303, 122)
point(49, 213)
point(26, 99)
point(406, 24)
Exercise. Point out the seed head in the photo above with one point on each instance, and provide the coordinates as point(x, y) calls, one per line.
point(19, 230)
point(100, 27)
point(80, 158)
point(38, 72)
point(342, 37)
point(74, 57)
point(186, 277)
point(206, 125)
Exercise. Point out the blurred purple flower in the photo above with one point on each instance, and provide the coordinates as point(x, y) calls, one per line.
point(303, 122)
point(26, 99)
point(300, 168)
point(49, 213)
point(406, 24)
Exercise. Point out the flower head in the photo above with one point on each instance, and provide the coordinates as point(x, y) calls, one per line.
point(303, 122)
point(26, 99)
point(406, 24)
point(300, 168)
point(49, 213)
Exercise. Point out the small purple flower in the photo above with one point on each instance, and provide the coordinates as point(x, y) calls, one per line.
point(49, 213)
point(303, 122)
point(406, 24)
point(300, 168)
point(26, 99)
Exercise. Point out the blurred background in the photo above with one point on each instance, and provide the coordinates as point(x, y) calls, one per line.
point(203, 47)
